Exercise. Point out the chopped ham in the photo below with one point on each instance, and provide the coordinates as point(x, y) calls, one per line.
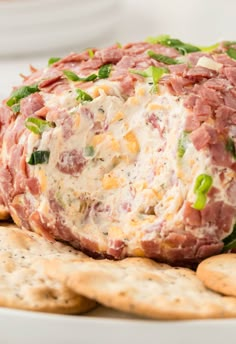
point(202, 110)
point(199, 73)
point(202, 136)
point(191, 123)
point(71, 162)
point(31, 104)
point(191, 216)
point(110, 55)
point(230, 73)
point(219, 155)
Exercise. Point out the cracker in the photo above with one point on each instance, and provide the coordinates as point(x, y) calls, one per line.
point(4, 213)
point(23, 283)
point(142, 287)
point(219, 273)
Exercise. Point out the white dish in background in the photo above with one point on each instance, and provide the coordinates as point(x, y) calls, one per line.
point(105, 326)
point(33, 27)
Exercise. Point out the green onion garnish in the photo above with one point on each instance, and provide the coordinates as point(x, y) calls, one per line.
point(231, 52)
point(83, 96)
point(16, 108)
point(230, 147)
point(37, 125)
point(166, 40)
point(203, 183)
point(210, 48)
point(74, 77)
point(53, 60)
point(22, 92)
point(202, 186)
point(91, 53)
point(104, 71)
point(162, 58)
point(182, 144)
point(89, 151)
point(230, 241)
point(200, 201)
point(155, 72)
point(39, 157)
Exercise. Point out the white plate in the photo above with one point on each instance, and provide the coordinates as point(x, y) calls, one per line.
point(104, 326)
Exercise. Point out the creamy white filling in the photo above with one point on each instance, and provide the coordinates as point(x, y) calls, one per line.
point(135, 181)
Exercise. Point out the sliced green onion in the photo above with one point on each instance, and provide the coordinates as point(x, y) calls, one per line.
point(89, 151)
point(162, 58)
point(143, 73)
point(158, 39)
point(37, 125)
point(182, 144)
point(202, 186)
point(231, 52)
point(230, 241)
point(104, 71)
point(119, 45)
point(166, 40)
point(210, 47)
point(74, 77)
point(16, 108)
point(71, 75)
point(200, 201)
point(91, 53)
point(155, 72)
point(22, 92)
point(203, 183)
point(83, 96)
point(53, 60)
point(230, 147)
point(39, 157)
point(91, 77)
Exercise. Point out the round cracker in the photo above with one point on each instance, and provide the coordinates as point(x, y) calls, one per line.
point(4, 213)
point(23, 283)
point(219, 273)
point(141, 286)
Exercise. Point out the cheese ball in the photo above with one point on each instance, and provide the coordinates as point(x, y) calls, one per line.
point(126, 150)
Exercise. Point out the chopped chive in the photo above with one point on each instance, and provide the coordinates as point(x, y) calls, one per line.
point(39, 157)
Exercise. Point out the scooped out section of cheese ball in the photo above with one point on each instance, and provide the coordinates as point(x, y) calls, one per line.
point(126, 151)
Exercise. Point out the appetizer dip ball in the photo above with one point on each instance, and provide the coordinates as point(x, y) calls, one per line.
point(126, 151)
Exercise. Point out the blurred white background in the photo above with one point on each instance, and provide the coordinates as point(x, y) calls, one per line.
point(31, 31)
